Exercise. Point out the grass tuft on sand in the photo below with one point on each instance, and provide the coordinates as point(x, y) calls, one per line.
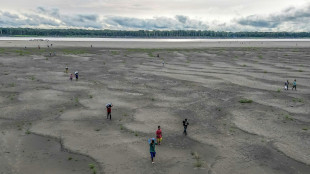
point(245, 101)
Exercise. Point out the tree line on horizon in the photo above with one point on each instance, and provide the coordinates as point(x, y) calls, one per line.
point(24, 32)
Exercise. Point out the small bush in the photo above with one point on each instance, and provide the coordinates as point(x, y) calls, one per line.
point(278, 90)
point(304, 129)
point(90, 96)
point(70, 158)
point(245, 101)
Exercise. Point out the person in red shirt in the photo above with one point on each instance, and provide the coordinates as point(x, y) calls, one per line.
point(159, 136)
point(109, 109)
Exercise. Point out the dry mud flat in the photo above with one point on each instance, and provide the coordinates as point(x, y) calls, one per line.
point(52, 125)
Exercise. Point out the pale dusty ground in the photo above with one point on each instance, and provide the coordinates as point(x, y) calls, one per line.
point(45, 118)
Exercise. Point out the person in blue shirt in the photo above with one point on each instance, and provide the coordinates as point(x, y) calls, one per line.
point(152, 150)
point(294, 85)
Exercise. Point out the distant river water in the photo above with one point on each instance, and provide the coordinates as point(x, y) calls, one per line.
point(75, 39)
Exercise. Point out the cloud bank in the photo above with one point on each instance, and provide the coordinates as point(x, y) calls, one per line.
point(289, 19)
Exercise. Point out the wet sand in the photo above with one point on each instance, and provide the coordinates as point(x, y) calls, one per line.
point(46, 118)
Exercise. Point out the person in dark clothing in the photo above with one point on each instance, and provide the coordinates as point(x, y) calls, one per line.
point(294, 85)
point(185, 124)
point(76, 75)
point(109, 110)
point(286, 85)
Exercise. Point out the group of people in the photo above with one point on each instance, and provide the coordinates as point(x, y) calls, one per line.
point(76, 73)
point(287, 83)
point(159, 138)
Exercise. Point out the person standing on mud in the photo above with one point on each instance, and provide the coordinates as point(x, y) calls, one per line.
point(76, 75)
point(71, 77)
point(67, 69)
point(152, 150)
point(294, 85)
point(286, 85)
point(185, 124)
point(159, 135)
point(109, 110)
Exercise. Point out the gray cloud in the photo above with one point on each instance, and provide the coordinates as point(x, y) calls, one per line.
point(179, 22)
point(289, 16)
point(49, 18)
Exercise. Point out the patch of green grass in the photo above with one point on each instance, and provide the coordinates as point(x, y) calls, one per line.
point(265, 71)
point(153, 99)
point(288, 117)
point(198, 163)
point(97, 129)
point(91, 166)
point(28, 132)
point(125, 114)
point(244, 65)
point(76, 101)
point(22, 52)
point(12, 97)
point(300, 70)
point(121, 127)
point(260, 56)
point(90, 96)
point(150, 54)
point(12, 85)
point(278, 90)
point(136, 134)
point(196, 156)
point(70, 158)
point(245, 101)
point(305, 129)
point(114, 52)
point(33, 78)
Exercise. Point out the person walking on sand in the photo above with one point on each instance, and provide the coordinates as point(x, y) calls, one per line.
point(76, 75)
point(185, 124)
point(286, 85)
point(159, 136)
point(294, 85)
point(67, 69)
point(163, 63)
point(71, 77)
point(152, 150)
point(109, 110)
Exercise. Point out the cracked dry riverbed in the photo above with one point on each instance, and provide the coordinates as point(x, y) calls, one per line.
point(52, 125)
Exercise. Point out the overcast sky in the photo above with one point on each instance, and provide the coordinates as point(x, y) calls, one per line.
point(220, 15)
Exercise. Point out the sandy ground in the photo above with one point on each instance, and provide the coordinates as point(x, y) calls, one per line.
point(50, 124)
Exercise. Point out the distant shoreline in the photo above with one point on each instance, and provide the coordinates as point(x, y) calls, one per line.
point(154, 44)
